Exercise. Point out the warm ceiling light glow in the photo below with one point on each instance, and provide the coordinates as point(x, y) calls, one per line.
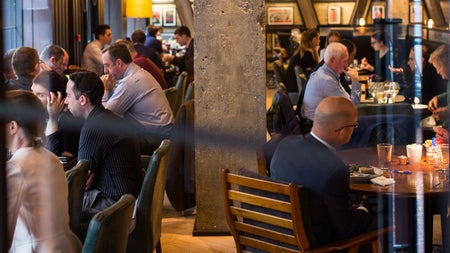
point(362, 22)
point(430, 23)
point(138, 8)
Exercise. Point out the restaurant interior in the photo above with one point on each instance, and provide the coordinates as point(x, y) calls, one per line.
point(236, 81)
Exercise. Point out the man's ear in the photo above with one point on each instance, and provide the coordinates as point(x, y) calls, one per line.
point(83, 100)
point(13, 127)
point(52, 60)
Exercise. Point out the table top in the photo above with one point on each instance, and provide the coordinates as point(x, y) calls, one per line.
point(422, 178)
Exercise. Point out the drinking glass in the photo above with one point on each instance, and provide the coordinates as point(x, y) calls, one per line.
point(384, 151)
point(390, 91)
point(445, 154)
point(414, 153)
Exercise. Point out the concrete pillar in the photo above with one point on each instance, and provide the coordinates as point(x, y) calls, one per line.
point(229, 99)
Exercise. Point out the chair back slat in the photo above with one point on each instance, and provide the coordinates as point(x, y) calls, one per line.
point(263, 232)
point(254, 243)
point(260, 217)
point(275, 204)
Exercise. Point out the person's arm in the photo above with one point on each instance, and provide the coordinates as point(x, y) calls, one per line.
point(15, 196)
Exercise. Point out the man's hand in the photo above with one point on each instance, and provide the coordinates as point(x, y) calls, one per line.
point(441, 113)
point(89, 180)
point(108, 82)
point(433, 104)
point(442, 134)
point(55, 104)
point(353, 74)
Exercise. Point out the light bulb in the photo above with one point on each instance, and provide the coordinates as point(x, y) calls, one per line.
point(362, 22)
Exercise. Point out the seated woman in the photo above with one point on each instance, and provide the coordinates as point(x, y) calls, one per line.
point(63, 130)
point(379, 41)
point(306, 57)
point(38, 216)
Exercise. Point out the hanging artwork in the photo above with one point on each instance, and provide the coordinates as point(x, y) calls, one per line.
point(280, 15)
point(170, 17)
point(334, 15)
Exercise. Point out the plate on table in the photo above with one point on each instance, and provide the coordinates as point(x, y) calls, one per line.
point(419, 106)
point(364, 174)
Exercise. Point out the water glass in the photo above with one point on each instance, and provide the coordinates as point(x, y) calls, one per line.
point(384, 151)
point(414, 153)
point(445, 154)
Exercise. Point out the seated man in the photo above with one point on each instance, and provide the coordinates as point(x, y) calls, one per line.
point(137, 97)
point(25, 63)
point(107, 141)
point(325, 81)
point(311, 161)
point(55, 58)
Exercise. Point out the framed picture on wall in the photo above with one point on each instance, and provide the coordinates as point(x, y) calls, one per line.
point(280, 15)
point(334, 14)
point(170, 17)
point(377, 11)
point(415, 12)
point(157, 16)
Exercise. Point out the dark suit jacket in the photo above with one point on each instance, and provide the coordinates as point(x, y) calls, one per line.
point(186, 63)
point(106, 140)
point(308, 162)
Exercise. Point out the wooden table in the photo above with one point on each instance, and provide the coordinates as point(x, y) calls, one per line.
point(426, 192)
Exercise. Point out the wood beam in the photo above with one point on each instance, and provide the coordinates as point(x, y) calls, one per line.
point(435, 12)
point(308, 13)
point(360, 11)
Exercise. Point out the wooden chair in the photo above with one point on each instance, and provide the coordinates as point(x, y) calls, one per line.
point(146, 234)
point(267, 215)
point(76, 180)
point(108, 229)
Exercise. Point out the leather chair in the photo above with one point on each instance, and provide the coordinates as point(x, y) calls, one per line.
point(108, 229)
point(172, 96)
point(181, 86)
point(76, 179)
point(272, 216)
point(301, 79)
point(279, 72)
point(146, 234)
point(189, 92)
point(280, 116)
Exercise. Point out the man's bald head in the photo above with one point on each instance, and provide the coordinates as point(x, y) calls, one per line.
point(334, 114)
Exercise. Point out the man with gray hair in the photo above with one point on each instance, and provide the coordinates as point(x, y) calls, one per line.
point(54, 58)
point(325, 81)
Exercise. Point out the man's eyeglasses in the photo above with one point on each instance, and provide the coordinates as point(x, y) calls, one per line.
point(352, 125)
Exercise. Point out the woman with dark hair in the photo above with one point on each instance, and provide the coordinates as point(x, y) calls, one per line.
point(307, 57)
point(62, 129)
point(379, 41)
point(38, 216)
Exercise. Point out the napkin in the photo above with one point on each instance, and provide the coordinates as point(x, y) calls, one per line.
point(382, 180)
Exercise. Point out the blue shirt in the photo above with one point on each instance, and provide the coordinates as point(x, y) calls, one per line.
point(325, 83)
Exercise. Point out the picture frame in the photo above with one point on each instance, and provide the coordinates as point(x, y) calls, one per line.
point(334, 14)
point(170, 17)
point(280, 15)
point(157, 17)
point(377, 11)
point(415, 12)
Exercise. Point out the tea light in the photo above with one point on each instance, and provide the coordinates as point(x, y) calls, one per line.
point(402, 159)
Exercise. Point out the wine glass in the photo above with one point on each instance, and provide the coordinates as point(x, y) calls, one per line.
point(391, 90)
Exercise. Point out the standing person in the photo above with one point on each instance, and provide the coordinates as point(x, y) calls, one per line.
point(325, 81)
point(138, 38)
point(62, 130)
point(186, 62)
point(25, 62)
point(333, 36)
point(54, 58)
point(378, 41)
point(38, 212)
point(440, 104)
point(311, 161)
point(107, 141)
point(151, 39)
point(137, 97)
point(92, 55)
point(307, 57)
